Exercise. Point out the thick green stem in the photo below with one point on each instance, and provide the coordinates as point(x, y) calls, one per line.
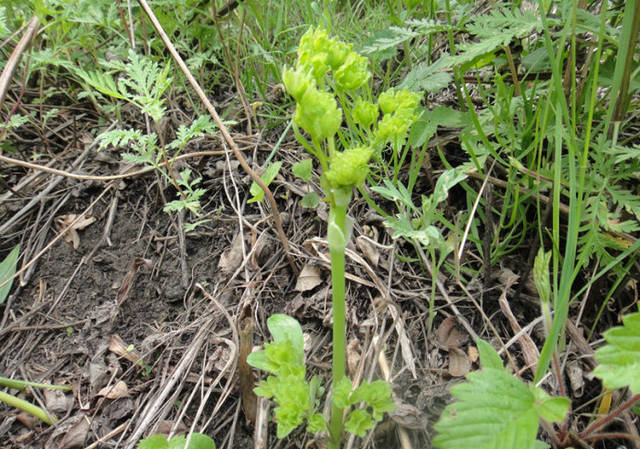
point(338, 236)
point(25, 406)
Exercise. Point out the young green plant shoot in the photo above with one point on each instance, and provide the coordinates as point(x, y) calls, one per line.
point(331, 85)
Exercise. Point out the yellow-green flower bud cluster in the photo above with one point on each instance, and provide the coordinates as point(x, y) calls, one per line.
point(399, 108)
point(349, 167)
point(353, 73)
point(318, 54)
point(364, 113)
point(318, 114)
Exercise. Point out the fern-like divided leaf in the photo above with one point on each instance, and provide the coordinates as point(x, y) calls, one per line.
point(619, 360)
point(495, 410)
point(392, 37)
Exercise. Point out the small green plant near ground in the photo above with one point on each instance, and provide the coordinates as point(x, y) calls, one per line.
point(196, 441)
point(366, 135)
point(144, 86)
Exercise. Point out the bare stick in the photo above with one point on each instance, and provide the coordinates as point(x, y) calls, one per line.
point(12, 63)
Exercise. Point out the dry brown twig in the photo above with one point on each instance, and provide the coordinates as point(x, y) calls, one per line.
point(12, 63)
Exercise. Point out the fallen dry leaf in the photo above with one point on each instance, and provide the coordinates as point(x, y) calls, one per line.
point(472, 353)
point(449, 334)
point(71, 235)
point(231, 258)
point(308, 279)
point(459, 363)
point(576, 378)
point(56, 401)
point(368, 250)
point(121, 349)
point(76, 435)
point(409, 416)
point(353, 356)
point(28, 420)
point(117, 391)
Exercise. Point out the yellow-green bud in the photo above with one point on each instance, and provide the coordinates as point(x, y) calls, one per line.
point(337, 53)
point(348, 168)
point(318, 114)
point(364, 113)
point(394, 126)
point(353, 73)
point(541, 275)
point(296, 81)
point(393, 99)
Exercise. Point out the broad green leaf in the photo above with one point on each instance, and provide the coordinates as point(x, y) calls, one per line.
point(310, 200)
point(549, 408)
point(489, 358)
point(619, 360)
point(402, 227)
point(259, 359)
point(494, 410)
point(8, 269)
point(427, 124)
point(269, 175)
point(540, 445)
point(303, 169)
point(156, 441)
point(283, 328)
point(198, 441)
point(426, 78)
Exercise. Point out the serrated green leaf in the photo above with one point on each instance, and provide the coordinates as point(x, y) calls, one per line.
point(341, 393)
point(316, 423)
point(7, 270)
point(201, 441)
point(426, 126)
point(619, 359)
point(286, 329)
point(495, 410)
point(177, 442)
point(358, 422)
point(377, 396)
point(269, 175)
point(550, 409)
point(426, 78)
point(310, 200)
point(303, 169)
point(489, 357)
point(156, 441)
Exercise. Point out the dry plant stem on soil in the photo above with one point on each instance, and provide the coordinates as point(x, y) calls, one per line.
point(12, 63)
point(223, 129)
